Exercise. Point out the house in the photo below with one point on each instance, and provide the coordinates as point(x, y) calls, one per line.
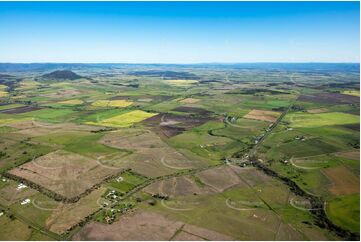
point(26, 201)
point(21, 186)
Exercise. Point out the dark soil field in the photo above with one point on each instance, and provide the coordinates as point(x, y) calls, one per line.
point(194, 110)
point(330, 98)
point(169, 125)
point(20, 110)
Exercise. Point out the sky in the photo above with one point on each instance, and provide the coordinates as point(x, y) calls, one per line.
point(179, 32)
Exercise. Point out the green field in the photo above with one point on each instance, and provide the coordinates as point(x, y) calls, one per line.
point(321, 119)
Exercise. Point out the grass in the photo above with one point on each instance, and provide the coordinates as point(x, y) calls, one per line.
point(130, 180)
point(321, 119)
point(13, 229)
point(17, 153)
point(308, 147)
point(211, 212)
point(345, 211)
point(201, 143)
point(124, 120)
point(112, 103)
point(37, 216)
point(78, 142)
point(49, 115)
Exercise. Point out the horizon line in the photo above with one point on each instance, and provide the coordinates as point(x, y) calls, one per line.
point(191, 63)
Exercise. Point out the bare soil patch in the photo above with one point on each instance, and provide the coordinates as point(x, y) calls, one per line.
point(65, 173)
point(194, 110)
point(330, 98)
point(67, 215)
point(176, 186)
point(343, 181)
point(262, 115)
point(64, 93)
point(317, 110)
point(150, 155)
point(34, 128)
point(252, 176)
point(220, 178)
point(184, 236)
point(353, 155)
point(20, 110)
point(142, 225)
point(133, 226)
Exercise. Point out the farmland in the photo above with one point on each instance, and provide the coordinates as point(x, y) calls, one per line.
point(193, 152)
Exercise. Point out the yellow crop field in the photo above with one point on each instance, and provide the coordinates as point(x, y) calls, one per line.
point(72, 102)
point(352, 93)
point(3, 93)
point(2, 87)
point(182, 82)
point(125, 120)
point(112, 103)
point(7, 121)
point(27, 85)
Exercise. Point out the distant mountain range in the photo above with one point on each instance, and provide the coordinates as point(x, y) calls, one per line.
point(301, 67)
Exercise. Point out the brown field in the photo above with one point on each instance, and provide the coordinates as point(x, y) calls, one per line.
point(262, 115)
point(251, 176)
point(330, 98)
point(189, 100)
point(67, 215)
point(185, 236)
point(63, 94)
point(353, 154)
point(199, 111)
point(177, 186)
point(343, 181)
point(64, 173)
point(20, 110)
point(133, 226)
point(34, 128)
point(145, 226)
point(151, 156)
point(317, 110)
point(220, 178)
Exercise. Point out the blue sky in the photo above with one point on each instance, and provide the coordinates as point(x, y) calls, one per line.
point(179, 32)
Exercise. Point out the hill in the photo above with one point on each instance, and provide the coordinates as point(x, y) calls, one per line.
point(62, 75)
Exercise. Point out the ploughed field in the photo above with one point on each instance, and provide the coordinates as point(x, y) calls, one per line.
point(189, 153)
